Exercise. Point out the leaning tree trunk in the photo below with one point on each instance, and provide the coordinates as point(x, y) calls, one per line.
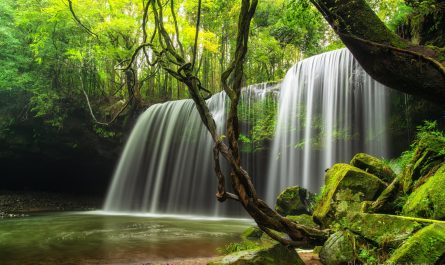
point(389, 59)
point(172, 60)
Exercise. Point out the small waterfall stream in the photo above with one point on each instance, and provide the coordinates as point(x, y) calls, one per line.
point(167, 163)
point(329, 109)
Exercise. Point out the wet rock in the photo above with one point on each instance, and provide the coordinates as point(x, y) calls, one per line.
point(374, 166)
point(427, 246)
point(252, 233)
point(428, 200)
point(275, 254)
point(382, 229)
point(346, 187)
point(429, 156)
point(338, 249)
point(294, 201)
point(304, 219)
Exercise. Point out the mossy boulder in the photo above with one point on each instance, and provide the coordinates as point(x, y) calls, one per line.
point(346, 187)
point(382, 229)
point(275, 254)
point(294, 201)
point(429, 154)
point(428, 200)
point(374, 166)
point(252, 233)
point(338, 249)
point(304, 219)
point(427, 246)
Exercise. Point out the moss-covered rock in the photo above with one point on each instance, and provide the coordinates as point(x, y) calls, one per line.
point(382, 229)
point(304, 219)
point(346, 187)
point(427, 246)
point(374, 166)
point(294, 201)
point(338, 249)
point(428, 200)
point(429, 154)
point(274, 254)
point(252, 233)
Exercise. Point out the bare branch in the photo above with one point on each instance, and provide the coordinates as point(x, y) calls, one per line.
point(70, 3)
point(195, 47)
point(172, 8)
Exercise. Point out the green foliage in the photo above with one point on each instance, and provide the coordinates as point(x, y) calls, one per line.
point(428, 200)
point(54, 60)
point(319, 195)
point(427, 246)
point(260, 117)
point(428, 135)
point(46, 104)
point(301, 25)
point(367, 256)
point(103, 132)
point(238, 246)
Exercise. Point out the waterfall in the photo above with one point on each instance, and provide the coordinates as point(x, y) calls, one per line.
point(167, 162)
point(329, 109)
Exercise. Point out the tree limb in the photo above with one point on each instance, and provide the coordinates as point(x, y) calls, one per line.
point(70, 4)
point(389, 59)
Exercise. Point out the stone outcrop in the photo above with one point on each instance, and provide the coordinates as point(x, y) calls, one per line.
point(374, 166)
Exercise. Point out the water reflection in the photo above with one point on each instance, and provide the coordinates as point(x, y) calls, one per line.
point(105, 239)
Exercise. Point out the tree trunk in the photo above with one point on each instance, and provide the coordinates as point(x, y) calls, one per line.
point(391, 60)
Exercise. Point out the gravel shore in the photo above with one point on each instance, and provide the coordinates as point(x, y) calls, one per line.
point(19, 204)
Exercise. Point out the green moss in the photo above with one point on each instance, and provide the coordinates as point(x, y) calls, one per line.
point(294, 200)
point(275, 254)
point(429, 199)
point(303, 219)
point(338, 249)
point(384, 230)
point(374, 166)
point(343, 177)
point(429, 152)
point(252, 233)
point(368, 256)
point(427, 246)
point(238, 246)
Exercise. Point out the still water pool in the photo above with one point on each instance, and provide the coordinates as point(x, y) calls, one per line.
point(96, 238)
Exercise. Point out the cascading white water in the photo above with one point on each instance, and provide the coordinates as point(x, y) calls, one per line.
point(167, 163)
point(167, 140)
point(329, 109)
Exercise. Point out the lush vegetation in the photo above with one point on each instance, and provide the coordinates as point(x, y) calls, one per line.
point(55, 57)
point(62, 55)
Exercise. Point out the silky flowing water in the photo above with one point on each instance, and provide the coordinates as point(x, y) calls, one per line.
point(92, 238)
point(328, 110)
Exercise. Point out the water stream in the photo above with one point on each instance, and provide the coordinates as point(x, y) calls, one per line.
point(329, 109)
point(95, 238)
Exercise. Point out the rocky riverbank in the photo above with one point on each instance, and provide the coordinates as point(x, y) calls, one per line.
point(376, 212)
point(21, 203)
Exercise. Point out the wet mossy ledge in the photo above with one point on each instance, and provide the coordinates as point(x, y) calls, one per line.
point(378, 212)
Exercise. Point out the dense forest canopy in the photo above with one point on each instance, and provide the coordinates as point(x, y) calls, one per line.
point(55, 61)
